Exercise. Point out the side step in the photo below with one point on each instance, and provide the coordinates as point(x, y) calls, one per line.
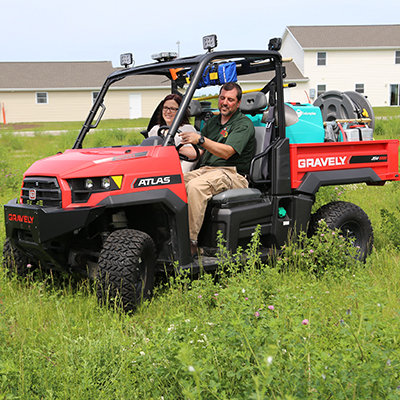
point(208, 263)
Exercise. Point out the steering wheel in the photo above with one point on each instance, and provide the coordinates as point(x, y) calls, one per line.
point(161, 131)
point(183, 157)
point(186, 158)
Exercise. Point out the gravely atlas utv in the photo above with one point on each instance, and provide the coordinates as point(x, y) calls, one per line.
point(119, 213)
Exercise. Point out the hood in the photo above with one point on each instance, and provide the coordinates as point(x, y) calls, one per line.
point(93, 161)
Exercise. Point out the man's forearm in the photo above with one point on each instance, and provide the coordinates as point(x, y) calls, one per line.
point(218, 149)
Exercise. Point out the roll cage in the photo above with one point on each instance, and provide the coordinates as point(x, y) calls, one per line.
point(247, 62)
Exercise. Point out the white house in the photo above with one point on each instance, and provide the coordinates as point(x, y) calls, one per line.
point(361, 58)
point(64, 91)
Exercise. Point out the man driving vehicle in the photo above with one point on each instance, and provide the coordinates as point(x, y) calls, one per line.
point(227, 141)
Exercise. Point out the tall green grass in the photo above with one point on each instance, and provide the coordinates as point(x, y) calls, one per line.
point(278, 331)
point(386, 112)
point(73, 125)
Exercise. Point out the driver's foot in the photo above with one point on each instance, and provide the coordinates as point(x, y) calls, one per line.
point(193, 248)
point(195, 251)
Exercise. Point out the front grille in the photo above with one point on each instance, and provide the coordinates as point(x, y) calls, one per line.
point(41, 191)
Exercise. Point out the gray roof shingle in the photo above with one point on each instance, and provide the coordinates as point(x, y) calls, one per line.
point(89, 75)
point(66, 75)
point(346, 36)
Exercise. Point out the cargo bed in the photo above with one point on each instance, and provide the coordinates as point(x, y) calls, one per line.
point(373, 162)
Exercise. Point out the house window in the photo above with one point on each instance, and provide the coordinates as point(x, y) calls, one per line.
point(321, 89)
point(359, 88)
point(321, 58)
point(397, 57)
point(42, 98)
point(94, 96)
point(394, 95)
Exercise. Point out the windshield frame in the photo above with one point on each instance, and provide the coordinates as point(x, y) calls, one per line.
point(247, 62)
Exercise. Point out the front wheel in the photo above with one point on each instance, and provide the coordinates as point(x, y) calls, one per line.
point(126, 268)
point(14, 261)
point(351, 220)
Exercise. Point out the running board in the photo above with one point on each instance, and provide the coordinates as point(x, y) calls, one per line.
point(207, 263)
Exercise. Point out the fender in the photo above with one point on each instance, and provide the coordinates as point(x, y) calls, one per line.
point(172, 201)
point(312, 181)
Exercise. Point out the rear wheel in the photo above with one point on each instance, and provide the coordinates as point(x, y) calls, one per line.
point(14, 261)
point(127, 268)
point(351, 220)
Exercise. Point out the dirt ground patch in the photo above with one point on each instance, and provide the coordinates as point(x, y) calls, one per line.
point(19, 127)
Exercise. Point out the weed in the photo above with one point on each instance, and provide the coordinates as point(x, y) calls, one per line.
point(390, 226)
point(327, 252)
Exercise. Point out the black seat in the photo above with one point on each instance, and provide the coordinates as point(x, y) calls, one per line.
point(195, 108)
point(235, 196)
point(262, 139)
point(253, 103)
point(202, 112)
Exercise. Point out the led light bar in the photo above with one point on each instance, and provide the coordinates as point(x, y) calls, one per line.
point(164, 56)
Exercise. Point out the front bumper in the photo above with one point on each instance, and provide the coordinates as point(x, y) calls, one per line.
point(37, 231)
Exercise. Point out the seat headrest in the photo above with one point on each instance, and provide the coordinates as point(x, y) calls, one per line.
point(253, 102)
point(195, 108)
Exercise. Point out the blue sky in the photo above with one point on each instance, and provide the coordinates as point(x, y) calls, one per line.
point(88, 30)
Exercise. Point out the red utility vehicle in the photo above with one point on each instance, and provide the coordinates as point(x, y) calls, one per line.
point(119, 213)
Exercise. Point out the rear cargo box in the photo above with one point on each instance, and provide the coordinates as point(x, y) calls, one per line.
point(380, 155)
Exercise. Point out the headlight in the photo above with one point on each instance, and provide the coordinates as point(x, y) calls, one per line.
point(105, 183)
point(89, 184)
point(83, 188)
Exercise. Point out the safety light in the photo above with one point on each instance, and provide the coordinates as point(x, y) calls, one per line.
point(89, 183)
point(210, 42)
point(165, 56)
point(126, 59)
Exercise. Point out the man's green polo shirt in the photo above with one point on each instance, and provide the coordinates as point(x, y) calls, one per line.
point(238, 132)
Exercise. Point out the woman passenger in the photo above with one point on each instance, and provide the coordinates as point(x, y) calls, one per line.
point(168, 110)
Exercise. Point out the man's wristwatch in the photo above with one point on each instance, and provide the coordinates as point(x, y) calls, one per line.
point(201, 140)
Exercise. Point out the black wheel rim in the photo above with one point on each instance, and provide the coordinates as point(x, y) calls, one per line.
point(352, 231)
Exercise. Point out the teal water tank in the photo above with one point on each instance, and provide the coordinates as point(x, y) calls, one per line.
point(309, 128)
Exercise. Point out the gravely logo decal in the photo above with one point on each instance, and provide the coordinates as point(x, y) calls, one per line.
point(156, 181)
point(21, 218)
point(32, 194)
point(321, 162)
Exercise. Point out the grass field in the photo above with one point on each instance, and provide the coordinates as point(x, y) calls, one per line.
point(277, 331)
point(41, 127)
